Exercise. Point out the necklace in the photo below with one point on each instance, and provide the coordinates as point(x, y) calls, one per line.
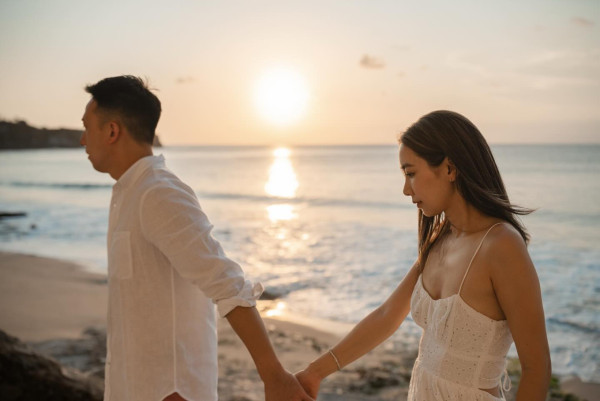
point(461, 231)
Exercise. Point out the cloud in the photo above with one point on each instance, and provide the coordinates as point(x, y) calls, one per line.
point(371, 62)
point(565, 63)
point(184, 80)
point(582, 22)
point(545, 70)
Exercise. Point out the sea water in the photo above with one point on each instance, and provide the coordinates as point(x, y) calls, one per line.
point(328, 228)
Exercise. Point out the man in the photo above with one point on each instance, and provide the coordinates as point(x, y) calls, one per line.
point(164, 267)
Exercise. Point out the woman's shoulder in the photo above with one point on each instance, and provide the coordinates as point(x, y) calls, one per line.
point(504, 247)
point(503, 233)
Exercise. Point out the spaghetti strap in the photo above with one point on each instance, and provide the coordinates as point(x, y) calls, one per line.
point(473, 257)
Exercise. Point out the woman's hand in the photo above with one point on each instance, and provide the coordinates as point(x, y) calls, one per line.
point(309, 381)
point(284, 386)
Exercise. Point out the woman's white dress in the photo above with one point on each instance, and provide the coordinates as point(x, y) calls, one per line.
point(461, 350)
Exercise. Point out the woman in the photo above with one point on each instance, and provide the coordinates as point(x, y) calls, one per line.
point(473, 288)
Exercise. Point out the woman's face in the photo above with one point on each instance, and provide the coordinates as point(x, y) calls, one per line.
point(430, 188)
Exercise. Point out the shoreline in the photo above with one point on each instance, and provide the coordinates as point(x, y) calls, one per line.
point(49, 301)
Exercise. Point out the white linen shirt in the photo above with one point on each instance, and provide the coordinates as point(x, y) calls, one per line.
point(164, 268)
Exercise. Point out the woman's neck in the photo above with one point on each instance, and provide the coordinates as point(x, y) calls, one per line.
point(465, 219)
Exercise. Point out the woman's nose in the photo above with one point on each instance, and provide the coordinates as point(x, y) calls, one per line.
point(406, 190)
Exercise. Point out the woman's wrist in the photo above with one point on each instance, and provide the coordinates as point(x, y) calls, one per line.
point(323, 367)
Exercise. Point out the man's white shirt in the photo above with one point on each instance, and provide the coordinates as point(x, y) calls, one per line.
point(165, 274)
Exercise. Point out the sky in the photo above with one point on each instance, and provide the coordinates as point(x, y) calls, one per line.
point(523, 71)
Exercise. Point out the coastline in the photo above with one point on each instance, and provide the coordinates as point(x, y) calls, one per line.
point(49, 303)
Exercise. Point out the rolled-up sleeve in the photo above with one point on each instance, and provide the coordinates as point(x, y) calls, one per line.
point(172, 220)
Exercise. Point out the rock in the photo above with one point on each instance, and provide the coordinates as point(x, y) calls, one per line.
point(269, 296)
point(86, 354)
point(26, 375)
point(372, 380)
point(4, 215)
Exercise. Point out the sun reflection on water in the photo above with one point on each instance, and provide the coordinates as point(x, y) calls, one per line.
point(282, 178)
point(281, 212)
point(282, 183)
point(276, 311)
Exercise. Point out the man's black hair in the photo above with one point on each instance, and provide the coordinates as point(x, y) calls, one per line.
point(129, 97)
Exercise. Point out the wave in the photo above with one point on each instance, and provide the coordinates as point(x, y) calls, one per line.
point(569, 215)
point(312, 201)
point(304, 200)
point(587, 328)
point(59, 185)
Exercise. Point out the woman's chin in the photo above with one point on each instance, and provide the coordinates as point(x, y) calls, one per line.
point(428, 213)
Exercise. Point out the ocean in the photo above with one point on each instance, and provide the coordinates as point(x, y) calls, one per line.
point(328, 228)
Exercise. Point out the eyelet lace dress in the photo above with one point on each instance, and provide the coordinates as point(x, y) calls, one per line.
point(461, 350)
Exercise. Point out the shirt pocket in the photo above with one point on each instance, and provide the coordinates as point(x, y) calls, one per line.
point(120, 260)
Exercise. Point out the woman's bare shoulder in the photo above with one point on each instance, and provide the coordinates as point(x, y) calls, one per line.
point(505, 249)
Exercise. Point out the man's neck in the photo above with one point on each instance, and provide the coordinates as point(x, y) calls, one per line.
point(128, 159)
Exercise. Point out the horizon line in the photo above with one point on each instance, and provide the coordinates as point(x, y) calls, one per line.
point(362, 144)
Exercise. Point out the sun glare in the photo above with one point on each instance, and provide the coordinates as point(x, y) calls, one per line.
point(282, 178)
point(281, 96)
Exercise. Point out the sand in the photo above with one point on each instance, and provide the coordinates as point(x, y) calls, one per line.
point(43, 300)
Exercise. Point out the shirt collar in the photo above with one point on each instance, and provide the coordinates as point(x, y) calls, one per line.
point(133, 173)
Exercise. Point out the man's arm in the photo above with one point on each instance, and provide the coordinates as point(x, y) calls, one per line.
point(279, 384)
point(173, 221)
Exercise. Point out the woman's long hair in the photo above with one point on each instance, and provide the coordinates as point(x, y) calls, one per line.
point(442, 134)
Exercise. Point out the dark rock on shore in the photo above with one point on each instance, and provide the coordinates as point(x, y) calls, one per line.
point(268, 295)
point(5, 215)
point(86, 354)
point(26, 375)
point(372, 380)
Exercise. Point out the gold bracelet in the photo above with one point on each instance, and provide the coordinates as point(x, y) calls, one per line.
point(335, 359)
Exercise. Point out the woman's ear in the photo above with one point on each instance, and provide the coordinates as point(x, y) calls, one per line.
point(451, 170)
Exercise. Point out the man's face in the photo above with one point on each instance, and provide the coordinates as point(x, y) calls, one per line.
point(95, 137)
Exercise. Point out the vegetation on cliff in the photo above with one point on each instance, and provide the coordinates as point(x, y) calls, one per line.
point(20, 135)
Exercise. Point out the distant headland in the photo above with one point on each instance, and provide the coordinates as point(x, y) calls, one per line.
point(20, 135)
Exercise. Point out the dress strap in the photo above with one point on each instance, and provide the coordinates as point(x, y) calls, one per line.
point(475, 254)
point(506, 384)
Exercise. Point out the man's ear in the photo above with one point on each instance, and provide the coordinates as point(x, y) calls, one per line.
point(115, 132)
point(451, 170)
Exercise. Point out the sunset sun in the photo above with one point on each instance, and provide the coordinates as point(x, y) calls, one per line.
point(281, 96)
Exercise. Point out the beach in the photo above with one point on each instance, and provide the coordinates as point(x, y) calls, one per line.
point(53, 304)
point(57, 307)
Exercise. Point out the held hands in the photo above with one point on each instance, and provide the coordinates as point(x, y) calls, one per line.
point(309, 381)
point(285, 387)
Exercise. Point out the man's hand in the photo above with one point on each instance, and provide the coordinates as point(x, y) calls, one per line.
point(310, 382)
point(280, 385)
point(284, 387)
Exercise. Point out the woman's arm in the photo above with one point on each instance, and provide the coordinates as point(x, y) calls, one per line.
point(366, 335)
point(518, 291)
